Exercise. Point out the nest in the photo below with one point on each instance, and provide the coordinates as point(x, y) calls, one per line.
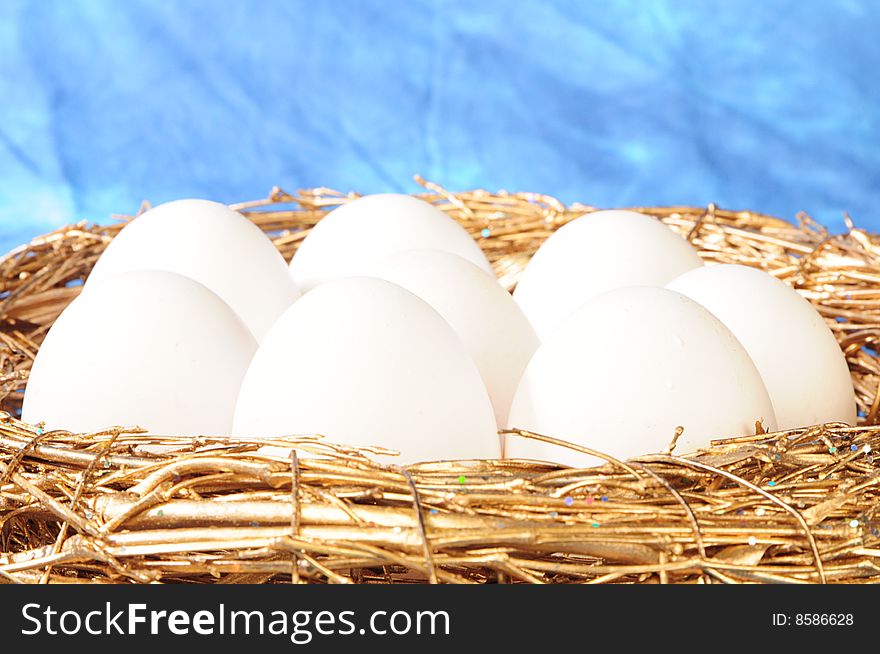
point(796, 507)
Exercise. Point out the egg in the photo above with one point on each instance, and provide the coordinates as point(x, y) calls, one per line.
point(365, 362)
point(492, 327)
point(798, 357)
point(595, 253)
point(145, 348)
point(212, 244)
point(628, 368)
point(362, 231)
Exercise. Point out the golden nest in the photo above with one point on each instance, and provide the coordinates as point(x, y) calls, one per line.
point(793, 507)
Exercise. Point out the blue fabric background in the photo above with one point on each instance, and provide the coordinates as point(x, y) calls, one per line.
point(767, 105)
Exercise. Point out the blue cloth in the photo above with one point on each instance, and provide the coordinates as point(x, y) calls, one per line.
point(767, 105)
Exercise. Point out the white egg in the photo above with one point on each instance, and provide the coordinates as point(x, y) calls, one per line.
point(365, 362)
point(492, 327)
point(595, 253)
point(212, 244)
point(360, 232)
point(628, 368)
point(794, 350)
point(147, 348)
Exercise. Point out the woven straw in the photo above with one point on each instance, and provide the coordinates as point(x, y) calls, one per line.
point(798, 507)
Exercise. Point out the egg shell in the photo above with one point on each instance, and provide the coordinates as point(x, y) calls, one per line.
point(798, 357)
point(146, 348)
point(595, 253)
point(360, 232)
point(629, 367)
point(492, 327)
point(365, 362)
point(212, 244)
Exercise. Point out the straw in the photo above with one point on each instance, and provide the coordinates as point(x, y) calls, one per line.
point(798, 506)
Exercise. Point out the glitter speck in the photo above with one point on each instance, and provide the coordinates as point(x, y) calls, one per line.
point(461, 479)
point(433, 512)
point(867, 448)
point(604, 498)
point(486, 232)
point(553, 514)
point(589, 499)
point(760, 511)
point(569, 501)
point(771, 483)
point(854, 524)
point(832, 449)
point(40, 431)
point(853, 448)
point(753, 541)
point(595, 524)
